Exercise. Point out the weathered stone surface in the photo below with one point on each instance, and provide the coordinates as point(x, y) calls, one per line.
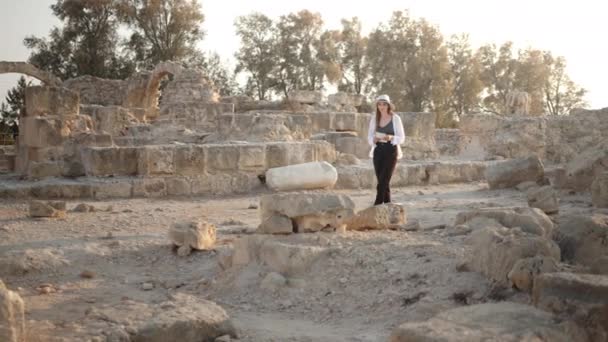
point(486, 322)
point(385, 216)
point(47, 209)
point(527, 185)
point(198, 235)
point(45, 101)
point(510, 173)
point(98, 91)
point(599, 191)
point(12, 317)
point(189, 159)
point(306, 96)
point(110, 161)
point(309, 211)
point(494, 251)
point(341, 99)
point(42, 132)
point(583, 239)
point(586, 166)
point(524, 271)
point(254, 127)
point(180, 318)
point(282, 257)
point(21, 262)
point(155, 160)
point(580, 297)
point(289, 153)
point(314, 175)
point(449, 141)
point(530, 220)
point(543, 198)
point(419, 135)
point(113, 120)
point(276, 224)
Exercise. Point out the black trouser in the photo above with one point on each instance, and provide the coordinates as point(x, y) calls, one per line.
point(385, 160)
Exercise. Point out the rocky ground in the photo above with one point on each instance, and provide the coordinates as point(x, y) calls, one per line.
point(364, 284)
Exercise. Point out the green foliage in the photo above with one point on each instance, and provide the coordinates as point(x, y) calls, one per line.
point(13, 106)
point(163, 30)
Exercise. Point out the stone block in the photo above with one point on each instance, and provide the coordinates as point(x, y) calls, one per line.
point(197, 235)
point(252, 158)
point(345, 121)
point(110, 161)
point(155, 160)
point(276, 224)
point(41, 132)
point(599, 191)
point(543, 198)
point(222, 158)
point(385, 216)
point(583, 239)
point(112, 189)
point(12, 316)
point(178, 186)
point(45, 101)
point(305, 96)
point(529, 220)
point(40, 170)
point(149, 187)
point(510, 173)
point(189, 159)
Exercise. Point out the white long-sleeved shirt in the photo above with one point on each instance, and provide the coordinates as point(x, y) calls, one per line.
point(397, 140)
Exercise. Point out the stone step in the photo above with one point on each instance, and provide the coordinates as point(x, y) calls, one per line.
point(228, 182)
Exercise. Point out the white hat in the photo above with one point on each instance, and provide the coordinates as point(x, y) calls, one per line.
point(384, 98)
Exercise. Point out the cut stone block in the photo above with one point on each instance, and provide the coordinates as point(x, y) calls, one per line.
point(315, 175)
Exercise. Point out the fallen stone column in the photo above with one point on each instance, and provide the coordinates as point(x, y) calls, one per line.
point(315, 175)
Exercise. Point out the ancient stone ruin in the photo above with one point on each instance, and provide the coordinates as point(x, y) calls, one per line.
point(498, 232)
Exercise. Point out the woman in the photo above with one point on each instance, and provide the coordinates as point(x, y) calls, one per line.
point(385, 135)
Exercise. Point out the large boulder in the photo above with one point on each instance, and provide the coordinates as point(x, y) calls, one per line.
point(512, 172)
point(308, 211)
point(587, 166)
point(599, 191)
point(198, 235)
point(385, 216)
point(175, 317)
point(529, 220)
point(495, 251)
point(314, 175)
point(583, 239)
point(580, 297)
point(508, 322)
point(543, 198)
point(525, 270)
point(47, 209)
point(12, 317)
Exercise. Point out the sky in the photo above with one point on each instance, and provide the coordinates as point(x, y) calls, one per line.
point(573, 29)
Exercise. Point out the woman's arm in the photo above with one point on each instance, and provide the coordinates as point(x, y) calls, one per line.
point(371, 131)
point(399, 136)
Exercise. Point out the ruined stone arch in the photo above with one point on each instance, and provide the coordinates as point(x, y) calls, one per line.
point(152, 88)
point(30, 70)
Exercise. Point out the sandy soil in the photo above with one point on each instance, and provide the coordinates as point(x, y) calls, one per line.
point(369, 283)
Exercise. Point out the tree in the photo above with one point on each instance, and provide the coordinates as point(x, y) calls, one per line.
point(409, 62)
point(531, 75)
point(257, 53)
point(14, 105)
point(302, 63)
point(561, 93)
point(216, 71)
point(353, 50)
point(498, 75)
point(164, 30)
point(466, 76)
point(84, 45)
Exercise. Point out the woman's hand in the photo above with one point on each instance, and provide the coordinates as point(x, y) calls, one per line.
point(376, 140)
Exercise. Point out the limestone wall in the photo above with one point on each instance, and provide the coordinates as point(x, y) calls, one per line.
point(190, 159)
point(553, 139)
point(98, 91)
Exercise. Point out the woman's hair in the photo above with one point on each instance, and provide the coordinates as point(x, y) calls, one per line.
point(378, 114)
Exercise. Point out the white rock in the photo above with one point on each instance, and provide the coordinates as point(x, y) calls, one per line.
point(314, 175)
